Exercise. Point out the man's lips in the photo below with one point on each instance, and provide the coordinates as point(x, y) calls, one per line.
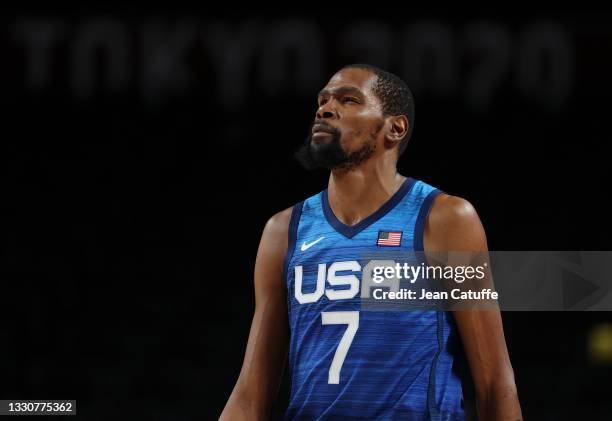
point(322, 128)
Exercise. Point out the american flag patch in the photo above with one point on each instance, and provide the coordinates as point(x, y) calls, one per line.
point(389, 238)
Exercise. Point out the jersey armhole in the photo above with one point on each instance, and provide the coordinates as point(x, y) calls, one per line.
point(296, 213)
point(419, 228)
point(419, 233)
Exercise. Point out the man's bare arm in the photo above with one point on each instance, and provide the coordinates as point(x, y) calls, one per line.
point(257, 386)
point(454, 225)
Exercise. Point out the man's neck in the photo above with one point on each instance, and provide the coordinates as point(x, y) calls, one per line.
point(354, 195)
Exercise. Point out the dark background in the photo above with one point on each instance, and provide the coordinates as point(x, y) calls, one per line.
point(143, 152)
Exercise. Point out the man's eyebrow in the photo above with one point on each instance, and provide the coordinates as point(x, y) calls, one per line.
point(341, 91)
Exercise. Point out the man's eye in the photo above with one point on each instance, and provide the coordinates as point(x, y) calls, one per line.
point(349, 99)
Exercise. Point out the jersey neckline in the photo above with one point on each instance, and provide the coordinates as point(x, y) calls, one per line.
point(350, 231)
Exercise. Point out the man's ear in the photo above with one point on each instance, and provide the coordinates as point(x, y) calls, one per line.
point(397, 130)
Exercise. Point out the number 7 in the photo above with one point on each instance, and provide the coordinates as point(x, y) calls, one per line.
point(351, 318)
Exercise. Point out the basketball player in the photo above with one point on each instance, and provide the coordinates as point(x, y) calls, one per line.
point(345, 363)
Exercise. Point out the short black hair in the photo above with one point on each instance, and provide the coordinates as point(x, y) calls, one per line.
point(395, 96)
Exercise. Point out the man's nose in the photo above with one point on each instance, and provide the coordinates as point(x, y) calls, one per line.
point(326, 111)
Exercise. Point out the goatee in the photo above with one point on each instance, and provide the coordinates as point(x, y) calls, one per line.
point(330, 154)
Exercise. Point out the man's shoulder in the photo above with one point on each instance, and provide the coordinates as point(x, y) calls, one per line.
point(447, 208)
point(454, 222)
point(274, 238)
point(279, 222)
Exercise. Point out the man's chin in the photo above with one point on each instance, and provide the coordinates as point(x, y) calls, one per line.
point(321, 150)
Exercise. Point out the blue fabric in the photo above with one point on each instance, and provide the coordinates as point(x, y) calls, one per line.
point(399, 364)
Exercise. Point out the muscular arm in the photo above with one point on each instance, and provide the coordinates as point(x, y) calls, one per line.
point(257, 386)
point(454, 225)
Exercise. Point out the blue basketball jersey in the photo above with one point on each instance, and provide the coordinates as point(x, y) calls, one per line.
point(346, 363)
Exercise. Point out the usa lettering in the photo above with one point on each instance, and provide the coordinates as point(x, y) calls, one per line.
point(328, 276)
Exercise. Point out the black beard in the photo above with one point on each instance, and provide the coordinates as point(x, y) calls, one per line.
point(331, 155)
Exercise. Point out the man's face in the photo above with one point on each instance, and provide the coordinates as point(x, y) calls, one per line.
point(348, 122)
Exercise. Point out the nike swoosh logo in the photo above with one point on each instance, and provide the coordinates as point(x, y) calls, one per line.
point(307, 246)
